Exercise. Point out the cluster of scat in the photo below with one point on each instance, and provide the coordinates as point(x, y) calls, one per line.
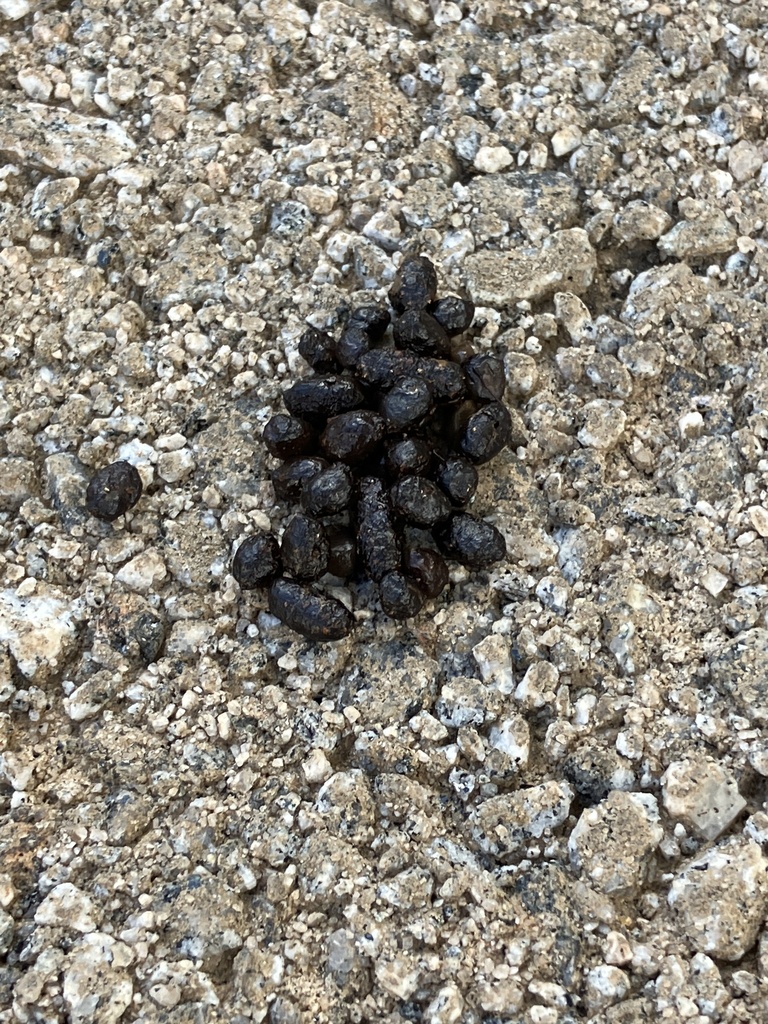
point(379, 448)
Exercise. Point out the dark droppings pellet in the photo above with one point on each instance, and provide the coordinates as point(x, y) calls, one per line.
point(400, 597)
point(304, 548)
point(415, 284)
point(290, 478)
point(458, 479)
point(487, 431)
point(328, 492)
point(342, 552)
point(257, 561)
point(406, 404)
point(401, 421)
point(113, 490)
point(409, 457)
point(288, 436)
point(317, 348)
point(417, 500)
point(377, 538)
point(486, 379)
point(353, 436)
point(418, 331)
point(428, 569)
point(306, 612)
point(374, 320)
point(453, 314)
point(321, 397)
point(352, 345)
point(472, 541)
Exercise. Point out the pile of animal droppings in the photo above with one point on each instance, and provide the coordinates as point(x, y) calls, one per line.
point(379, 447)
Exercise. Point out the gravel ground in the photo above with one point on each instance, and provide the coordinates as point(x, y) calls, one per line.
point(543, 801)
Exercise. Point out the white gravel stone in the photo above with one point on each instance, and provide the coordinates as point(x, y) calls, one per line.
point(744, 160)
point(612, 843)
point(513, 738)
point(702, 795)
point(97, 989)
point(492, 159)
point(494, 661)
point(174, 466)
point(720, 898)
point(502, 823)
point(145, 573)
point(15, 9)
point(639, 221)
point(758, 516)
point(66, 906)
point(39, 630)
point(565, 260)
point(604, 424)
point(55, 139)
point(606, 985)
point(566, 139)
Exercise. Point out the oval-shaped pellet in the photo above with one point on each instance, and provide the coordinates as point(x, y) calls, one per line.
point(113, 490)
point(454, 315)
point(257, 561)
point(304, 548)
point(472, 541)
point(321, 397)
point(428, 569)
point(406, 404)
point(400, 597)
point(289, 479)
point(486, 379)
point(486, 432)
point(374, 320)
point(288, 436)
point(377, 539)
point(419, 501)
point(313, 615)
point(409, 457)
point(316, 347)
point(329, 492)
point(458, 479)
point(352, 345)
point(415, 284)
point(352, 436)
point(417, 331)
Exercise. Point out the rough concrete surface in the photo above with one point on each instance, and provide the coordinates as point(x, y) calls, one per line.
point(543, 801)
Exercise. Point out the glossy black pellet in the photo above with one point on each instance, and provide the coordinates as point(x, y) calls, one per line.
point(257, 561)
point(419, 501)
point(288, 436)
point(329, 492)
point(419, 332)
point(400, 597)
point(374, 320)
point(377, 538)
point(406, 403)
point(486, 433)
point(415, 284)
point(342, 552)
point(472, 541)
point(428, 569)
point(352, 436)
point(321, 397)
point(312, 615)
point(352, 344)
point(316, 347)
point(113, 490)
point(453, 314)
point(485, 378)
point(458, 479)
point(445, 378)
point(290, 478)
point(304, 548)
point(409, 457)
